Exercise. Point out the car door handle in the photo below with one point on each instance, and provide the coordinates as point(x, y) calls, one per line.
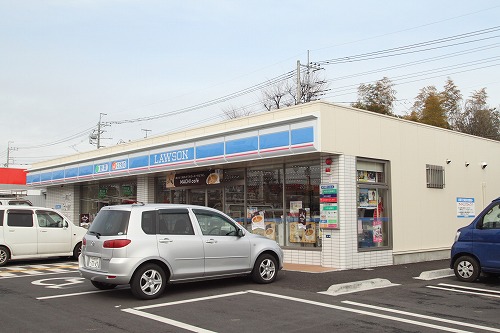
point(43, 230)
point(211, 241)
point(166, 240)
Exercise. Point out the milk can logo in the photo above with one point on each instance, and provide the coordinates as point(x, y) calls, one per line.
point(99, 168)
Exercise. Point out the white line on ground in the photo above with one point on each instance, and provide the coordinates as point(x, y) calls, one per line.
point(469, 288)
point(463, 291)
point(378, 315)
point(77, 294)
point(458, 323)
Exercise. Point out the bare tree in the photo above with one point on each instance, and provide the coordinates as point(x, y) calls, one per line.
point(284, 93)
point(277, 96)
point(232, 112)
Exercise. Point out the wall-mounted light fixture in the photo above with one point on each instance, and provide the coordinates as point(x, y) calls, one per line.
point(467, 164)
point(328, 161)
point(484, 165)
point(448, 161)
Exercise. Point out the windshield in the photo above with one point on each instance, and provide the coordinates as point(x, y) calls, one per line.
point(110, 223)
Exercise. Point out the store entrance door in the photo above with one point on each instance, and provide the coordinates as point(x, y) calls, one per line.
point(215, 199)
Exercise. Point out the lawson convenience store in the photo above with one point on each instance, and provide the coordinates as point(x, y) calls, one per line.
point(317, 178)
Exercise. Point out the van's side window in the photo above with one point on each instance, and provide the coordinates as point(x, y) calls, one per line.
point(20, 218)
point(148, 223)
point(175, 222)
point(492, 219)
point(48, 219)
point(1, 218)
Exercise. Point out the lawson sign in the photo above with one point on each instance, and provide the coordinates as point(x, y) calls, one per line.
point(284, 140)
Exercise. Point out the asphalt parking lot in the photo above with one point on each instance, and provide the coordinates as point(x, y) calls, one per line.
point(42, 296)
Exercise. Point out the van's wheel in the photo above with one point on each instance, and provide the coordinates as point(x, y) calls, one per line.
point(265, 269)
point(4, 255)
point(103, 285)
point(148, 282)
point(467, 269)
point(77, 251)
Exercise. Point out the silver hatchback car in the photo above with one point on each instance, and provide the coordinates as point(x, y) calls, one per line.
point(150, 245)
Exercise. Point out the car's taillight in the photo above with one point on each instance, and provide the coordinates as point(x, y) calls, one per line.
point(116, 243)
point(84, 241)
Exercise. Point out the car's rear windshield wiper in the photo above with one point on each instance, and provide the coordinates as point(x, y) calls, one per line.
point(98, 235)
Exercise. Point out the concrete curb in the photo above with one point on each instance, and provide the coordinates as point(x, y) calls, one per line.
point(437, 274)
point(352, 287)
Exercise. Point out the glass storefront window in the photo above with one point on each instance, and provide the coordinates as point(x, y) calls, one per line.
point(373, 215)
point(264, 213)
point(95, 196)
point(302, 204)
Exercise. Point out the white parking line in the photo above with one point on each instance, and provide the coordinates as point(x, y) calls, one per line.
point(464, 291)
point(469, 288)
point(378, 315)
point(411, 314)
point(77, 294)
point(164, 320)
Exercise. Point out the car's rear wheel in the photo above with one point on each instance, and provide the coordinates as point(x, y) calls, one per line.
point(265, 269)
point(103, 285)
point(148, 282)
point(4, 255)
point(466, 269)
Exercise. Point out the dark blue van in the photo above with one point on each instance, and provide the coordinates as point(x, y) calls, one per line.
point(477, 246)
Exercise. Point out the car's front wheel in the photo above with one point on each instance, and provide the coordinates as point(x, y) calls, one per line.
point(467, 269)
point(265, 269)
point(148, 282)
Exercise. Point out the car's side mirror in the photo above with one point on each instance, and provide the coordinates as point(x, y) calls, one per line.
point(240, 233)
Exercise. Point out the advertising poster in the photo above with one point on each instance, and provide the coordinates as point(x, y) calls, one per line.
point(310, 233)
point(377, 231)
point(270, 230)
point(193, 178)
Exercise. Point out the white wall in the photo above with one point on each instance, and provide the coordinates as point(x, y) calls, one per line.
point(423, 219)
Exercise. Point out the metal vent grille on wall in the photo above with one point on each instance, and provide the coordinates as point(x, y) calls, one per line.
point(435, 176)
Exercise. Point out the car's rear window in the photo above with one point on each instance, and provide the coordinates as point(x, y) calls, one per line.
point(110, 223)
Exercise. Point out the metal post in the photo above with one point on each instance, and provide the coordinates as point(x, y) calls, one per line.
point(298, 83)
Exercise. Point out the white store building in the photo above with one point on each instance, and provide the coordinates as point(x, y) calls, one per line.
point(333, 185)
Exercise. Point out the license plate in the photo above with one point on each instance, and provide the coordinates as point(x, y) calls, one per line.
point(94, 262)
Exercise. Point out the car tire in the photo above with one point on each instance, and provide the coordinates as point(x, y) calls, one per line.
point(103, 285)
point(265, 269)
point(148, 282)
point(77, 251)
point(4, 255)
point(467, 269)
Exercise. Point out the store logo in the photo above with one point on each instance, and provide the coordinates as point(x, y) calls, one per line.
point(101, 168)
point(172, 156)
point(118, 165)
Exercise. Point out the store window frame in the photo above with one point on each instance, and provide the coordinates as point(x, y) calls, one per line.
point(382, 184)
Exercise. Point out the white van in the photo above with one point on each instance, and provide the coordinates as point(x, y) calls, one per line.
point(37, 232)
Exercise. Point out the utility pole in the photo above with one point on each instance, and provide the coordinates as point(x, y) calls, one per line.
point(99, 130)
point(146, 130)
point(299, 88)
point(8, 153)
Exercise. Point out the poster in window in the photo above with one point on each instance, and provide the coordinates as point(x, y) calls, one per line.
point(296, 233)
point(310, 233)
point(377, 231)
point(258, 225)
point(270, 230)
point(372, 197)
point(294, 208)
point(363, 197)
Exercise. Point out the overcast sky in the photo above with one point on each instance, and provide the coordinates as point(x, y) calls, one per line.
point(64, 62)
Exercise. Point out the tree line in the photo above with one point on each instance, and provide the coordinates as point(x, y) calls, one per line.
point(445, 108)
